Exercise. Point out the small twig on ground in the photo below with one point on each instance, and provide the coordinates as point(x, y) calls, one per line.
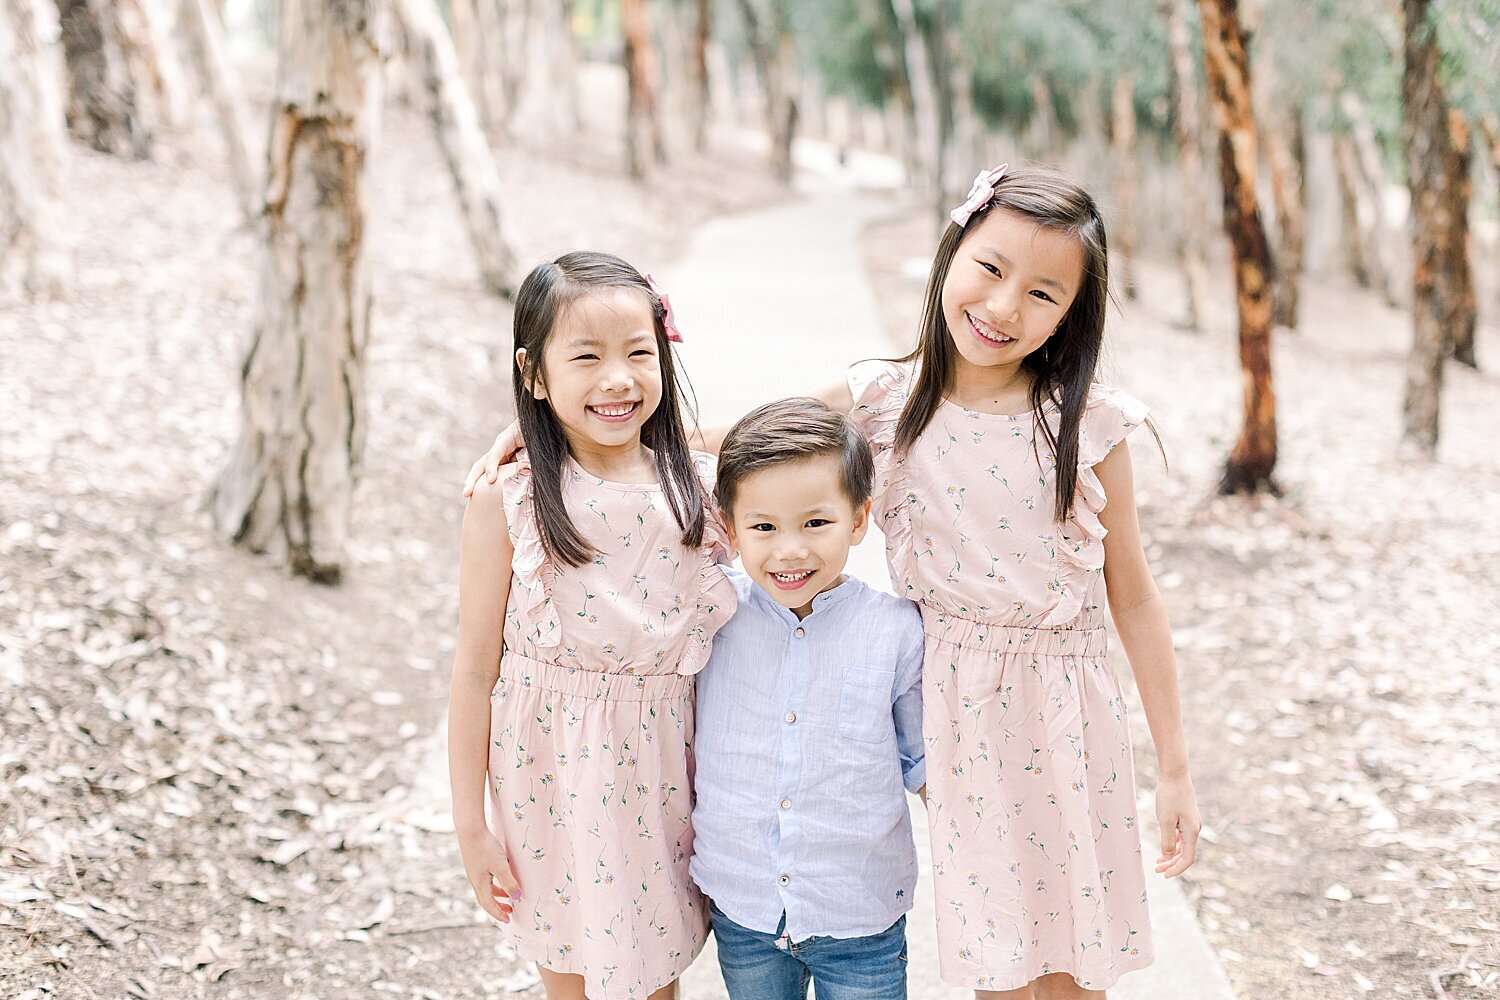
point(1436, 976)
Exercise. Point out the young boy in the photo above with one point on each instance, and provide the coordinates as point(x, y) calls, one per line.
point(809, 726)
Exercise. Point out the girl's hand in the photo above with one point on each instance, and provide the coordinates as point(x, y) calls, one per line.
point(1177, 817)
point(507, 443)
point(489, 874)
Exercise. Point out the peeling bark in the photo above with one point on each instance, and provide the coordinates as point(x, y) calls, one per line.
point(33, 152)
point(289, 480)
point(465, 148)
point(1253, 458)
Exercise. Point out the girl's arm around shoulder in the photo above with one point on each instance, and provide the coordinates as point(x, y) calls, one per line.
point(1140, 618)
point(484, 579)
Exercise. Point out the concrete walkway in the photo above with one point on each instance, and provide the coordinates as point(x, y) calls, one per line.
point(776, 303)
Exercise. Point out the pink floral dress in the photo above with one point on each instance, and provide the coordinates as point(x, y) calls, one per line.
point(591, 728)
point(1031, 805)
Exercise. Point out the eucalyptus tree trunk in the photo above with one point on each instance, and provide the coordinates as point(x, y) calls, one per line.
point(203, 34)
point(456, 124)
point(924, 96)
point(103, 107)
point(288, 484)
point(1191, 198)
point(1465, 315)
point(700, 103)
point(643, 136)
point(33, 152)
point(774, 54)
point(1253, 459)
point(1286, 156)
point(1346, 170)
point(1127, 180)
point(478, 37)
point(152, 59)
point(1439, 233)
point(1371, 180)
point(562, 64)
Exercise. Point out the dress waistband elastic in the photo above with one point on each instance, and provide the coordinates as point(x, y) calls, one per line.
point(527, 672)
point(990, 637)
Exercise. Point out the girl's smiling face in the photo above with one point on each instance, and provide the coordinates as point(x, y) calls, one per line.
point(1009, 286)
point(600, 368)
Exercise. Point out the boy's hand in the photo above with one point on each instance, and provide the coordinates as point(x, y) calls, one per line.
point(507, 443)
point(1177, 817)
point(489, 874)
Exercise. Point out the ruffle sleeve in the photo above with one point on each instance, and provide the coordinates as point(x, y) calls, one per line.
point(716, 596)
point(1108, 418)
point(531, 570)
point(880, 389)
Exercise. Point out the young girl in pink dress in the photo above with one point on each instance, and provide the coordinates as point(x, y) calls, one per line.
point(589, 593)
point(1009, 516)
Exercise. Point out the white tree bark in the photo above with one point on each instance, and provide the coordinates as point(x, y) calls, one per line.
point(203, 36)
point(33, 151)
point(288, 484)
point(470, 159)
point(923, 97)
point(153, 59)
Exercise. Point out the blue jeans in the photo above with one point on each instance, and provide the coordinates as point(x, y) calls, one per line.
point(760, 966)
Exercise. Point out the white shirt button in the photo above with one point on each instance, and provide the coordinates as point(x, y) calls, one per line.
point(785, 880)
point(800, 632)
point(786, 803)
point(791, 717)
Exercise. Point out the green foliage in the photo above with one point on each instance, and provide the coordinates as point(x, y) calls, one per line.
point(1468, 33)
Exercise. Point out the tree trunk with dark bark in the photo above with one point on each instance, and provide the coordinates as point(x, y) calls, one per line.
point(1465, 314)
point(643, 145)
point(33, 153)
point(1185, 128)
point(103, 108)
point(1438, 232)
point(288, 484)
point(1253, 460)
point(470, 159)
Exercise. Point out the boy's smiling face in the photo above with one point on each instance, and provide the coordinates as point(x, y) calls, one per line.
point(794, 527)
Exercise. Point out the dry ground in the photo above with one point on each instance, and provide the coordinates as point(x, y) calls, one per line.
point(203, 760)
point(1339, 646)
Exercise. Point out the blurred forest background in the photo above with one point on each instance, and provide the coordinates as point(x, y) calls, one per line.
point(255, 264)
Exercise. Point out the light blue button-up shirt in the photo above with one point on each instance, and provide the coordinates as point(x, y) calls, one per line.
point(809, 735)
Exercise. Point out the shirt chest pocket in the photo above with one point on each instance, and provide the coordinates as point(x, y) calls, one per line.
point(865, 706)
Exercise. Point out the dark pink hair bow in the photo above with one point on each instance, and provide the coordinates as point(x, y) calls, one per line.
point(979, 195)
point(668, 320)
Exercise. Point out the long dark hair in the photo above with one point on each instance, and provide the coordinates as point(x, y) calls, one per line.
point(546, 293)
point(1063, 369)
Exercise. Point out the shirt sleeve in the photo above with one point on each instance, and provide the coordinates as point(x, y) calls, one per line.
point(906, 708)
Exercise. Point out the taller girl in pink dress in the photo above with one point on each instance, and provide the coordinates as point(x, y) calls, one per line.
point(1009, 516)
point(590, 592)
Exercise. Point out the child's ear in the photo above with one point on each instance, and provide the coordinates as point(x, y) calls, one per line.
point(734, 542)
point(861, 522)
point(530, 379)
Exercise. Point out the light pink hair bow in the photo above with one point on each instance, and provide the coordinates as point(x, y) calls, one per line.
point(979, 195)
point(668, 320)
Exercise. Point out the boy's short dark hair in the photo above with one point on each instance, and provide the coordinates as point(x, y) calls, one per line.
point(786, 431)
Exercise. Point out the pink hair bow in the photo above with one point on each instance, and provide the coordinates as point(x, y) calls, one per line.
point(668, 320)
point(979, 195)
